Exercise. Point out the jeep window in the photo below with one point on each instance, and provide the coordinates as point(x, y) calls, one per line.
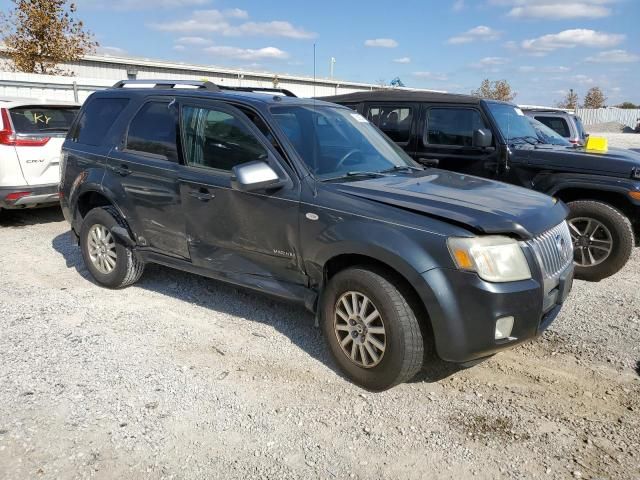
point(34, 119)
point(335, 141)
point(218, 140)
point(513, 124)
point(154, 130)
point(394, 121)
point(558, 124)
point(453, 126)
point(97, 119)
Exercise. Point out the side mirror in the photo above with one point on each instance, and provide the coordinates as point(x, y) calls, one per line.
point(482, 138)
point(252, 176)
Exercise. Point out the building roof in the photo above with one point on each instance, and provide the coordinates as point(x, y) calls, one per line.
point(402, 96)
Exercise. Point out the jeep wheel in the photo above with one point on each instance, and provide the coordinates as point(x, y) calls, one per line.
point(371, 330)
point(602, 239)
point(110, 262)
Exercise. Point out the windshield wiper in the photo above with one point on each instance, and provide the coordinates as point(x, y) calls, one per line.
point(362, 173)
point(401, 168)
point(525, 138)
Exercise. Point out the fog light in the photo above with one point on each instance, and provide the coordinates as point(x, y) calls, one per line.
point(504, 326)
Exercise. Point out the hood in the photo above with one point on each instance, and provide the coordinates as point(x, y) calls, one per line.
point(483, 205)
point(617, 162)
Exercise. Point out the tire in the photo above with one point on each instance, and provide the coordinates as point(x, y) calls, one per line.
point(403, 352)
point(617, 229)
point(126, 267)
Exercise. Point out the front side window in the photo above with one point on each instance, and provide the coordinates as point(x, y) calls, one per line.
point(334, 141)
point(558, 124)
point(96, 119)
point(453, 126)
point(218, 140)
point(154, 130)
point(395, 122)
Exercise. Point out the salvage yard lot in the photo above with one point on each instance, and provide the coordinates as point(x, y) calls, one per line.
point(184, 377)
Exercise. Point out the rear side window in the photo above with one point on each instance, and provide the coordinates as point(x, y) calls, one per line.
point(154, 130)
point(35, 119)
point(453, 126)
point(218, 140)
point(395, 122)
point(558, 124)
point(96, 119)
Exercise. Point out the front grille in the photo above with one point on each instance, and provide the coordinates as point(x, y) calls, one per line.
point(554, 250)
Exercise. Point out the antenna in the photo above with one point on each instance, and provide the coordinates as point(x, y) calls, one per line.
point(314, 70)
point(332, 64)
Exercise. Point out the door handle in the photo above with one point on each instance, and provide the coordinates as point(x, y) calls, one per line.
point(203, 195)
point(122, 170)
point(431, 162)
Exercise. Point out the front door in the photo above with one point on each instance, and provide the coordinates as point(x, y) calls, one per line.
point(229, 231)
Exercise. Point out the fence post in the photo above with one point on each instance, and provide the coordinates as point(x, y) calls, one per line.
point(75, 92)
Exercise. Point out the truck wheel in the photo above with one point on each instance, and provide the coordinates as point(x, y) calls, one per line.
point(371, 330)
point(111, 263)
point(602, 239)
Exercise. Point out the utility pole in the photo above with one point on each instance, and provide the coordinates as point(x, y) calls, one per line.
point(332, 63)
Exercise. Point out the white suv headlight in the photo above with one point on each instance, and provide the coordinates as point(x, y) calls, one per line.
point(493, 258)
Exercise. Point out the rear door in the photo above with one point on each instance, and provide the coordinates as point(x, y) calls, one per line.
point(40, 132)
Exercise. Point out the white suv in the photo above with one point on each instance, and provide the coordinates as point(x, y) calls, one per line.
point(31, 137)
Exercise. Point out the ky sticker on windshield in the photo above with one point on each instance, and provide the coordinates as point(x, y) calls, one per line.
point(359, 118)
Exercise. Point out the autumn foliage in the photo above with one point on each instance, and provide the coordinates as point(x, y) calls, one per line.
point(496, 90)
point(39, 35)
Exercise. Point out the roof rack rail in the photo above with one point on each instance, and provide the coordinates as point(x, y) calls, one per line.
point(283, 91)
point(164, 84)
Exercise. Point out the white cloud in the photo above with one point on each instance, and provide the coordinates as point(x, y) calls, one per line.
point(402, 60)
point(194, 41)
point(556, 9)
point(248, 53)
point(614, 56)
point(458, 6)
point(481, 32)
point(490, 63)
point(381, 43)
point(439, 77)
point(147, 4)
point(219, 22)
point(549, 69)
point(578, 37)
point(114, 51)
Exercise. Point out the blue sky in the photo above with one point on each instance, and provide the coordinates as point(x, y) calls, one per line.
point(542, 47)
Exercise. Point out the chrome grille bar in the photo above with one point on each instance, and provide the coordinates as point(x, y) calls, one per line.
point(553, 249)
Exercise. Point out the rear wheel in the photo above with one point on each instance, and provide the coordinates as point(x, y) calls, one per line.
point(602, 239)
point(110, 262)
point(372, 332)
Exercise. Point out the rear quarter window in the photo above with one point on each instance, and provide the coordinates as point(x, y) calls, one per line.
point(558, 124)
point(96, 119)
point(42, 119)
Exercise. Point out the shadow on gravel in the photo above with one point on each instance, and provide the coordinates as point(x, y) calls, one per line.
point(638, 368)
point(291, 320)
point(30, 216)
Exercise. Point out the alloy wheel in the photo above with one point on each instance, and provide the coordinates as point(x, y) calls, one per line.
point(592, 241)
point(102, 249)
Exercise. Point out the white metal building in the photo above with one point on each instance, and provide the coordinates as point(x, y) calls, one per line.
point(95, 72)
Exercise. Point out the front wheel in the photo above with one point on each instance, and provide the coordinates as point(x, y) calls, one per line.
point(602, 239)
point(372, 332)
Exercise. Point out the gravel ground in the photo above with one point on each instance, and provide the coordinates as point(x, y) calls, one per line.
point(619, 140)
point(183, 377)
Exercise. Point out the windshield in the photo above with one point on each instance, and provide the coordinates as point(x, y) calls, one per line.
point(548, 135)
point(336, 142)
point(34, 119)
point(513, 124)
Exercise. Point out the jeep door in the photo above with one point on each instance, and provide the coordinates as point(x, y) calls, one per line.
point(144, 167)
point(233, 232)
point(445, 140)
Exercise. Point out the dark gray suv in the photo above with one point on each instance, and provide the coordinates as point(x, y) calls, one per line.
point(309, 202)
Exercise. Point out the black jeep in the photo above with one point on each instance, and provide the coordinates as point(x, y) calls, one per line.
point(309, 202)
point(495, 140)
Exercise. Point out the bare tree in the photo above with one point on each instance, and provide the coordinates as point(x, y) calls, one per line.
point(570, 101)
point(594, 98)
point(41, 34)
point(496, 90)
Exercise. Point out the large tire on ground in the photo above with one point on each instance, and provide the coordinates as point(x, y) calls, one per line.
point(111, 263)
point(370, 328)
point(602, 239)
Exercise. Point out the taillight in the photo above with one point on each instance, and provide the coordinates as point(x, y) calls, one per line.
point(9, 137)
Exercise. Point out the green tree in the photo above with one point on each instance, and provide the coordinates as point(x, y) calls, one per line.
point(628, 105)
point(41, 34)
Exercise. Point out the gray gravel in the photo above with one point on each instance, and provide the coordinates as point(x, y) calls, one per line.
point(184, 377)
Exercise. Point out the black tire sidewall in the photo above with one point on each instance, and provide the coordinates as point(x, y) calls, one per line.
point(385, 374)
point(118, 274)
point(621, 234)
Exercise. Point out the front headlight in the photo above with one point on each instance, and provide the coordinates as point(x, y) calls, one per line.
point(493, 258)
